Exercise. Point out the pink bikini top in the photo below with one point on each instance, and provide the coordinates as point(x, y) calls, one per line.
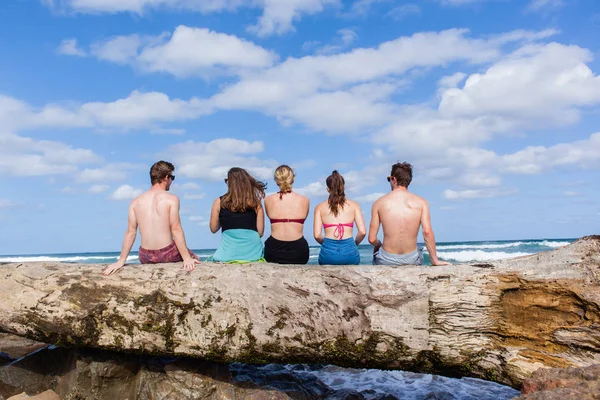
point(339, 230)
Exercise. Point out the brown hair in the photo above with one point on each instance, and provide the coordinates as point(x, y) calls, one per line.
point(284, 178)
point(403, 173)
point(160, 170)
point(244, 192)
point(337, 197)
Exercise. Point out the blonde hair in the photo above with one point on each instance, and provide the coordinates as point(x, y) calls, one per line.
point(284, 178)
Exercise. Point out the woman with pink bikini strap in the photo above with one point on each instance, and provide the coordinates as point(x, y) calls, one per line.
point(337, 217)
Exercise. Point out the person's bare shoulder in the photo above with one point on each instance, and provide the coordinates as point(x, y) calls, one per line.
point(416, 201)
point(141, 199)
point(169, 198)
point(417, 198)
point(352, 203)
point(270, 198)
point(301, 196)
point(378, 202)
point(319, 206)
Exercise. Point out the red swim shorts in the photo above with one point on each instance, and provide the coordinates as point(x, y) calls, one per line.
point(168, 254)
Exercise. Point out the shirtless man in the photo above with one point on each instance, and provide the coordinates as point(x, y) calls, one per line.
point(401, 213)
point(156, 212)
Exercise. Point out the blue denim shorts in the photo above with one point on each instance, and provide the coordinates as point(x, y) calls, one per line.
point(339, 252)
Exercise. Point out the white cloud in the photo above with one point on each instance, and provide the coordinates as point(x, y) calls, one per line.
point(523, 36)
point(278, 15)
point(356, 181)
point(351, 92)
point(363, 7)
point(476, 193)
point(69, 47)
point(142, 110)
point(68, 190)
point(544, 5)
point(125, 192)
point(199, 220)
point(5, 203)
point(459, 2)
point(23, 156)
point(478, 179)
point(537, 86)
point(194, 196)
point(370, 198)
point(211, 160)
point(112, 172)
point(400, 12)
point(451, 81)
point(304, 164)
point(570, 193)
point(138, 110)
point(539, 159)
point(535, 83)
point(189, 186)
point(186, 52)
point(314, 189)
point(345, 37)
point(98, 189)
point(119, 49)
point(277, 18)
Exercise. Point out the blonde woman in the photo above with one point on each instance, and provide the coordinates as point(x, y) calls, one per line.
point(240, 217)
point(337, 217)
point(287, 211)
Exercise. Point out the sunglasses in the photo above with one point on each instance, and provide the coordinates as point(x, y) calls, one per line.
point(172, 177)
point(225, 180)
point(389, 178)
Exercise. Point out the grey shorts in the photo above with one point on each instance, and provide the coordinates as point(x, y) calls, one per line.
point(382, 257)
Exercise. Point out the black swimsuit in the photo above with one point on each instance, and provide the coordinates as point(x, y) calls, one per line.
point(287, 252)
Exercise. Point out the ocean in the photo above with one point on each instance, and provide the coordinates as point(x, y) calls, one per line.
point(455, 252)
point(371, 384)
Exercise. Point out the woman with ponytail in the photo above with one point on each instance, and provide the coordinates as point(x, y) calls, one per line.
point(240, 216)
point(337, 217)
point(287, 211)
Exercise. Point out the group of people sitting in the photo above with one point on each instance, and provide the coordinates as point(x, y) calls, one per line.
point(239, 215)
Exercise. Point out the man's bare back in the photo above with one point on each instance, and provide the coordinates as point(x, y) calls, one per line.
point(152, 213)
point(400, 215)
point(156, 214)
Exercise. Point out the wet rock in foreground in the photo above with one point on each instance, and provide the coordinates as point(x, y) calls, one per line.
point(561, 384)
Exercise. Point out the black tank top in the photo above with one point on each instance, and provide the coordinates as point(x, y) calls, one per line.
point(237, 220)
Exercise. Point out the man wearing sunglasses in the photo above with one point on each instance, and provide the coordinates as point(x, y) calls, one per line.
point(156, 213)
point(401, 214)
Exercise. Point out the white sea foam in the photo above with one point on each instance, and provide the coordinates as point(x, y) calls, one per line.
point(373, 383)
point(481, 246)
point(550, 243)
point(477, 255)
point(544, 243)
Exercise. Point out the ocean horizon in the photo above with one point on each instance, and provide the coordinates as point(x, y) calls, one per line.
point(455, 252)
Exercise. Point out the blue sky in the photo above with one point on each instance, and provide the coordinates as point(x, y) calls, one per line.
point(495, 102)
